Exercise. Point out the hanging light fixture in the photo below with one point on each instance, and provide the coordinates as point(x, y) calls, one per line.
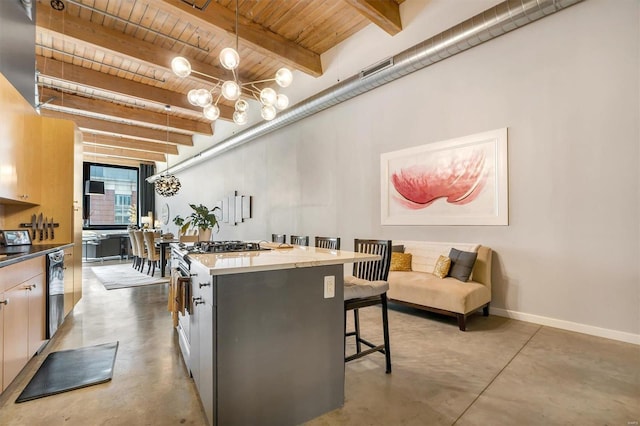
point(233, 89)
point(167, 185)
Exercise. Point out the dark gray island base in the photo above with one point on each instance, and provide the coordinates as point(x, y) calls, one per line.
point(267, 347)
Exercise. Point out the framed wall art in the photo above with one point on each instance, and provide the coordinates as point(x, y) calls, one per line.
point(462, 181)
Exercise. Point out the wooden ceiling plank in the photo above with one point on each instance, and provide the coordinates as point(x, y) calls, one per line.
point(91, 78)
point(121, 152)
point(383, 13)
point(100, 139)
point(259, 37)
point(115, 42)
point(135, 132)
point(122, 112)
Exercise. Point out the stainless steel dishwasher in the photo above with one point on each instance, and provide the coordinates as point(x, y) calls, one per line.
point(55, 291)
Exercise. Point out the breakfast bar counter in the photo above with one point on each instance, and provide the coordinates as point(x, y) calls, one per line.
point(267, 334)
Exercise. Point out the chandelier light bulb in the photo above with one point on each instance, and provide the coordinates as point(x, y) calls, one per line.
point(284, 77)
point(192, 97)
point(230, 90)
point(282, 101)
point(229, 58)
point(241, 105)
point(212, 112)
point(268, 96)
point(268, 112)
point(204, 98)
point(240, 117)
point(180, 66)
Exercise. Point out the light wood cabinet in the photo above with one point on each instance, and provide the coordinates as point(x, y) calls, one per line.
point(16, 333)
point(20, 148)
point(3, 307)
point(22, 315)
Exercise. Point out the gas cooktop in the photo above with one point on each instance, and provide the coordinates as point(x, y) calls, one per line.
point(223, 247)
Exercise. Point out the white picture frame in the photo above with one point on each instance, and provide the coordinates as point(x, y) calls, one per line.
point(461, 181)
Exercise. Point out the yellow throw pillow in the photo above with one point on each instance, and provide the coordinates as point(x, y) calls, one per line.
point(442, 267)
point(400, 261)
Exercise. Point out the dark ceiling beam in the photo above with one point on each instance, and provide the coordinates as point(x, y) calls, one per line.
point(258, 37)
point(383, 13)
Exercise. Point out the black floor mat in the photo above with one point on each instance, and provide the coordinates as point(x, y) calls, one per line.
point(72, 369)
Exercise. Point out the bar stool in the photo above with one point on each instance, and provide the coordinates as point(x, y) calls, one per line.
point(368, 287)
point(279, 238)
point(298, 240)
point(331, 243)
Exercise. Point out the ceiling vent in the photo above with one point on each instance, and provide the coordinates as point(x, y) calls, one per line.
point(376, 68)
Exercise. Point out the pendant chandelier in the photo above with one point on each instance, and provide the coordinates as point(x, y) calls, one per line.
point(167, 185)
point(232, 90)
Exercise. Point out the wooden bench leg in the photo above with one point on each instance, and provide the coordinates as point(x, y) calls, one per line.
point(462, 323)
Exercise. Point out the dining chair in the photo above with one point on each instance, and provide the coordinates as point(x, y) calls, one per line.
point(279, 238)
point(153, 254)
point(298, 240)
point(331, 243)
point(142, 253)
point(368, 287)
point(134, 248)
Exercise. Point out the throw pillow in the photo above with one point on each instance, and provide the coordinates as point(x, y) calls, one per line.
point(400, 261)
point(398, 249)
point(461, 264)
point(442, 267)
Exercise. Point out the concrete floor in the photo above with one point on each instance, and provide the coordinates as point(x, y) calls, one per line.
point(499, 372)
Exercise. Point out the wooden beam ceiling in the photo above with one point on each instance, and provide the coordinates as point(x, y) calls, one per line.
point(121, 152)
point(121, 129)
point(97, 80)
point(119, 142)
point(258, 37)
point(383, 13)
point(121, 112)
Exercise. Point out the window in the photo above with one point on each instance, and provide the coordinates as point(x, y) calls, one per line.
point(116, 209)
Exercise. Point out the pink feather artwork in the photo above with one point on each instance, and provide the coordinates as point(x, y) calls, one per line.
point(458, 179)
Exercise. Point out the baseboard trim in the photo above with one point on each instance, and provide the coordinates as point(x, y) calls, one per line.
point(568, 325)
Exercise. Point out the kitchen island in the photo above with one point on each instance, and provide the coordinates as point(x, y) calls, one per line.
point(267, 334)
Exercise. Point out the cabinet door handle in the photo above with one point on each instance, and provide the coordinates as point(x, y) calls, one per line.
point(204, 285)
point(197, 301)
point(4, 302)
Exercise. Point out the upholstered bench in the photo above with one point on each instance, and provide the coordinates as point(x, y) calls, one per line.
point(417, 286)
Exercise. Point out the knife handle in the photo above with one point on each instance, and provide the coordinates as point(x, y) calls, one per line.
point(41, 234)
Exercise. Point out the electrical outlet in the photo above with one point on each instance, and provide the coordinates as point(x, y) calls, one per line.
point(329, 286)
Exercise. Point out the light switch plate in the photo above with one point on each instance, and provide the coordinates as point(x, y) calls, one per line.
point(329, 286)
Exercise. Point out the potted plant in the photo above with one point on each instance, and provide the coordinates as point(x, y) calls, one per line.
point(202, 218)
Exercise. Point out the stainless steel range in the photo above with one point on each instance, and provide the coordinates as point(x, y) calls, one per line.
point(224, 247)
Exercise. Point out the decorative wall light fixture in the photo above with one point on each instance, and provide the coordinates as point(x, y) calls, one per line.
point(232, 90)
point(167, 185)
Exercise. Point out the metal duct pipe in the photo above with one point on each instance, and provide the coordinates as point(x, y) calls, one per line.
point(493, 22)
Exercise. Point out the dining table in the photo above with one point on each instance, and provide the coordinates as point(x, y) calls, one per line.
point(163, 244)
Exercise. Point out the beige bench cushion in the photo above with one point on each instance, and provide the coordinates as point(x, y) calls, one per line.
point(449, 294)
point(357, 288)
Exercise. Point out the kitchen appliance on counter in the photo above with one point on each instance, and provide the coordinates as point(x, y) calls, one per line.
point(223, 247)
point(55, 291)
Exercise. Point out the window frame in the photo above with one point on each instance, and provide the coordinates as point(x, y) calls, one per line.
point(86, 205)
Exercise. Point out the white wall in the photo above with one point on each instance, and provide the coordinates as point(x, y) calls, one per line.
point(567, 87)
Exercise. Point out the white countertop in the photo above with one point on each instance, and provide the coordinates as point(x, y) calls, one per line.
point(281, 258)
